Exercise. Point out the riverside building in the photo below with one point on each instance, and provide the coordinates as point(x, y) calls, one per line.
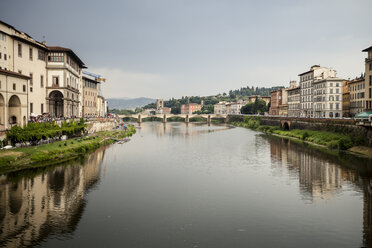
point(64, 85)
point(190, 108)
point(345, 99)
point(93, 101)
point(368, 79)
point(276, 101)
point(294, 102)
point(307, 79)
point(220, 108)
point(20, 53)
point(327, 100)
point(357, 95)
point(52, 76)
point(283, 107)
point(13, 99)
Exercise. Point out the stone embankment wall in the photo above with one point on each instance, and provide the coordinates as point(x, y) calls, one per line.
point(333, 125)
point(98, 126)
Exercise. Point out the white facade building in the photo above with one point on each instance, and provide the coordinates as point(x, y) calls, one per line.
point(220, 108)
point(307, 79)
point(234, 108)
point(64, 84)
point(328, 98)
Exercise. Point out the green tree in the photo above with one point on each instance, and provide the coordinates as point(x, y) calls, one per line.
point(176, 109)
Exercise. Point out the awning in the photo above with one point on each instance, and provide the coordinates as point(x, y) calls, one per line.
point(363, 115)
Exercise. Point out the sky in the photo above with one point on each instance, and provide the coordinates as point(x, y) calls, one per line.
point(174, 48)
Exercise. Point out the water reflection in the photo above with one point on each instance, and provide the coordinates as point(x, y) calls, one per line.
point(178, 185)
point(34, 205)
point(184, 129)
point(322, 175)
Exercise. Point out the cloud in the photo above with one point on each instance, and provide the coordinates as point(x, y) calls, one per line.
point(121, 83)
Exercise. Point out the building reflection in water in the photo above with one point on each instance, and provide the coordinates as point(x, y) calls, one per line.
point(46, 203)
point(318, 177)
point(322, 176)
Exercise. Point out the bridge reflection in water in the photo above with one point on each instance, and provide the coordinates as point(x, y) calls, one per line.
point(34, 205)
point(321, 176)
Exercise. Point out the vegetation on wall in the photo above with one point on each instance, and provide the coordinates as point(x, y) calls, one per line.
point(35, 132)
point(332, 140)
point(57, 152)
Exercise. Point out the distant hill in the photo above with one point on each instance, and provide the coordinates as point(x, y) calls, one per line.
point(128, 103)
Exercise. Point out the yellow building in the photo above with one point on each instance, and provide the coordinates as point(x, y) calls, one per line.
point(345, 99)
point(357, 95)
point(90, 97)
point(368, 79)
point(252, 99)
point(20, 53)
point(13, 99)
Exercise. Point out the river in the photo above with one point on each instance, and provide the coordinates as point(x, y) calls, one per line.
point(178, 185)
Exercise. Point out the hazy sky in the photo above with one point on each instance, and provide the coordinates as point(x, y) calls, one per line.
point(170, 48)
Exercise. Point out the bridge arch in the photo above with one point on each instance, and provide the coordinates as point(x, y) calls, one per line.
point(286, 125)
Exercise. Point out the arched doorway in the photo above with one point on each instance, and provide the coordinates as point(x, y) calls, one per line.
point(56, 103)
point(285, 126)
point(2, 111)
point(14, 110)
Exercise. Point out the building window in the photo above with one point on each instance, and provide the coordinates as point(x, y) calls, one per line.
point(14, 87)
point(31, 107)
point(31, 80)
point(31, 89)
point(19, 50)
point(370, 66)
point(31, 55)
point(2, 36)
point(24, 88)
point(42, 108)
point(55, 57)
point(0, 55)
point(41, 55)
point(41, 81)
point(5, 56)
point(55, 81)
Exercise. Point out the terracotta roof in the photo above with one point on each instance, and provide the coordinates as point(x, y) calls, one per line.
point(14, 74)
point(67, 50)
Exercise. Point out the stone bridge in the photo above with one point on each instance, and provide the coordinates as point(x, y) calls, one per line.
point(164, 117)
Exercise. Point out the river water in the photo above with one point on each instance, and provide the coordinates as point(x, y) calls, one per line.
point(178, 185)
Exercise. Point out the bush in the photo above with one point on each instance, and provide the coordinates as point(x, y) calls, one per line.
point(345, 143)
point(305, 135)
point(34, 132)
